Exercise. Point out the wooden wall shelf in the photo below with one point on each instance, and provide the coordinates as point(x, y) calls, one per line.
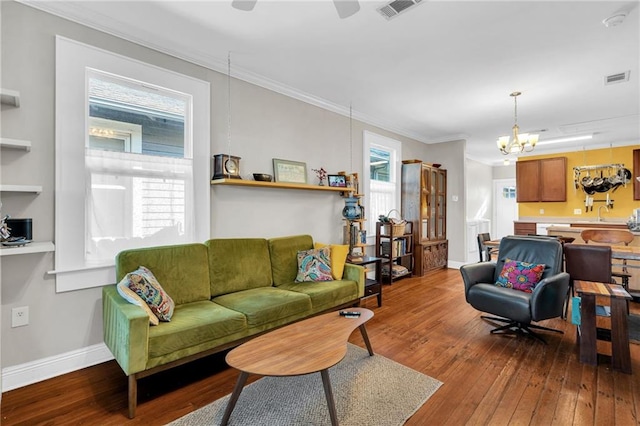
point(282, 185)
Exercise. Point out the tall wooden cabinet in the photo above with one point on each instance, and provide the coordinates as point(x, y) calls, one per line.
point(424, 204)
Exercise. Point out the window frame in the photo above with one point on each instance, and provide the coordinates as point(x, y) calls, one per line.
point(394, 146)
point(73, 60)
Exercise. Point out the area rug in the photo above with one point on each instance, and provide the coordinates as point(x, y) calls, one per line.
point(634, 328)
point(367, 391)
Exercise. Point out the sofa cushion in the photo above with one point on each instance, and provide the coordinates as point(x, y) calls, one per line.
point(283, 252)
point(237, 264)
point(143, 283)
point(183, 269)
point(192, 324)
point(326, 294)
point(314, 265)
point(339, 254)
point(266, 304)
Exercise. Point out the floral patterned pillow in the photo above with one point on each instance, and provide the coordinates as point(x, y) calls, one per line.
point(314, 265)
point(521, 276)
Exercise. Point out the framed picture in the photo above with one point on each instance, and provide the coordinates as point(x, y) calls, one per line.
point(289, 171)
point(337, 180)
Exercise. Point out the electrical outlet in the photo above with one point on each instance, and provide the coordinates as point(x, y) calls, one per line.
point(577, 211)
point(20, 316)
point(541, 211)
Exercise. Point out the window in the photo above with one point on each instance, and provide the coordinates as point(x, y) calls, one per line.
point(509, 192)
point(132, 163)
point(382, 175)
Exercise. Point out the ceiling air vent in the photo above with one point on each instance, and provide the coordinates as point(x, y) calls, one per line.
point(396, 7)
point(616, 78)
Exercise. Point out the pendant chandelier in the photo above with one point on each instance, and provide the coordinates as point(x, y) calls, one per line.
point(524, 142)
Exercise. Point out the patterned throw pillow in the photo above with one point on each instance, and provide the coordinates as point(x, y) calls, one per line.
point(314, 265)
point(147, 287)
point(338, 256)
point(133, 298)
point(521, 276)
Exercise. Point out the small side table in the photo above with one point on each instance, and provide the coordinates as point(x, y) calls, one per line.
point(588, 333)
point(371, 287)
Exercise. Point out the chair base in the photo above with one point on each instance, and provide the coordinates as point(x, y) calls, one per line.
point(522, 328)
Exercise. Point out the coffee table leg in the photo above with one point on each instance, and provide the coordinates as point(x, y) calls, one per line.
point(365, 336)
point(234, 397)
point(326, 383)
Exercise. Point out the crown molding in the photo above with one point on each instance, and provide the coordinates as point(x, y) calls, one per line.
point(76, 13)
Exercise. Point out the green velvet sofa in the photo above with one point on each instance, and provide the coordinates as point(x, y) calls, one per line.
point(225, 291)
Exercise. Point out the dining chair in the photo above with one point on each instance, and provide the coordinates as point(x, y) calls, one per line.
point(611, 237)
point(485, 251)
point(586, 263)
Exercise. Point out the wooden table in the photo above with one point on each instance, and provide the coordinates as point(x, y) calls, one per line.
point(308, 346)
point(588, 331)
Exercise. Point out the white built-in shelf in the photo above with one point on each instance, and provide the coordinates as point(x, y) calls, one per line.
point(282, 185)
point(15, 144)
point(34, 247)
point(10, 97)
point(21, 188)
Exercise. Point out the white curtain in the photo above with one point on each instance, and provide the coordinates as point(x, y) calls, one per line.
point(135, 200)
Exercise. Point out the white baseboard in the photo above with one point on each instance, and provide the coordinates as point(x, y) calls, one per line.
point(21, 375)
point(454, 264)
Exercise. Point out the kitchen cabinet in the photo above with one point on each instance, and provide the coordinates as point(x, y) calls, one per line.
point(524, 228)
point(541, 180)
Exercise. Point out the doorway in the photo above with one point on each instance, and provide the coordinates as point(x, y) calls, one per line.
point(505, 207)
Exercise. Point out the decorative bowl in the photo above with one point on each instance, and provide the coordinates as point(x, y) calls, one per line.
point(262, 177)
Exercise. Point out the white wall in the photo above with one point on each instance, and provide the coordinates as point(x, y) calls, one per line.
point(478, 183)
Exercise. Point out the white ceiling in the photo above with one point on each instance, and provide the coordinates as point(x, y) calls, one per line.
point(438, 72)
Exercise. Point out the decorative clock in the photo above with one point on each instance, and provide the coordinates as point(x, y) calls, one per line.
point(226, 166)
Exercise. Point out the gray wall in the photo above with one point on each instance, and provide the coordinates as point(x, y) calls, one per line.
point(266, 125)
point(479, 184)
point(452, 157)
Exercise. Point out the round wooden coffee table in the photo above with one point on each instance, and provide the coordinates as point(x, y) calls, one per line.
point(304, 347)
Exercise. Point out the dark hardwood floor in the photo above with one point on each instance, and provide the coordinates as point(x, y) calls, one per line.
point(425, 324)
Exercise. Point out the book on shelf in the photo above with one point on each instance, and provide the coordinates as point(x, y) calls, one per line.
point(394, 248)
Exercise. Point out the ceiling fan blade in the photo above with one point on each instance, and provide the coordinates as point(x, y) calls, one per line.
point(346, 8)
point(246, 5)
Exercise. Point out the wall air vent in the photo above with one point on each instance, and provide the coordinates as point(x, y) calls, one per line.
point(396, 7)
point(616, 78)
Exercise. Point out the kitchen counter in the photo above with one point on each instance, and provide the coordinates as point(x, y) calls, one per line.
point(577, 227)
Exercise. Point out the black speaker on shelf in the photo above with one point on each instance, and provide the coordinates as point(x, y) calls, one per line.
point(20, 228)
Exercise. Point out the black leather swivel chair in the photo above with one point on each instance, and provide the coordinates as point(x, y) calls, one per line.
point(516, 308)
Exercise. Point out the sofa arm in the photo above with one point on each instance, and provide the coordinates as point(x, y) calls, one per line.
point(125, 330)
point(355, 273)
